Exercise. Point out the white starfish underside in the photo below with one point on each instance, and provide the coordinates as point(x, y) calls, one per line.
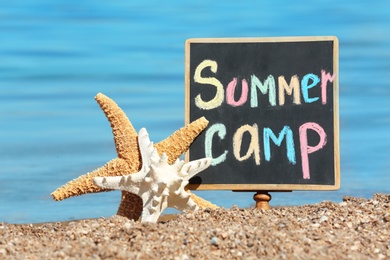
point(159, 184)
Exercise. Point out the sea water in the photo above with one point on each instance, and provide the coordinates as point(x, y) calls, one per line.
point(55, 56)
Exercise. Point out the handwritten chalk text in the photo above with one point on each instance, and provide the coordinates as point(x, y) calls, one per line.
point(276, 88)
point(250, 90)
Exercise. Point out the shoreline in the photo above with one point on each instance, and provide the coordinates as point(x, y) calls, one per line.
point(354, 228)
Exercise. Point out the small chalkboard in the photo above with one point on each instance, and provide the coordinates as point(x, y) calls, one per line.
point(272, 106)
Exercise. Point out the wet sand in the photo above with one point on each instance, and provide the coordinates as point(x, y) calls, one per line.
point(352, 229)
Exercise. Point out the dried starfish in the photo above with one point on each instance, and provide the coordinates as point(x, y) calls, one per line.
point(159, 184)
point(129, 160)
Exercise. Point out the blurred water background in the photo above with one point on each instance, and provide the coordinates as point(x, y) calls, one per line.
point(55, 56)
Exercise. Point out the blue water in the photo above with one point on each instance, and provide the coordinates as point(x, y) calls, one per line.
point(55, 56)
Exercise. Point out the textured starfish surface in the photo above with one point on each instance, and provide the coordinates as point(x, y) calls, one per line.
point(129, 159)
point(159, 184)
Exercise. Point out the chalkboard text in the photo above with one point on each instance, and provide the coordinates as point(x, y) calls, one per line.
point(308, 81)
point(249, 91)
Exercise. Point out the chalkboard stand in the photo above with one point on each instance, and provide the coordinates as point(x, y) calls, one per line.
point(262, 199)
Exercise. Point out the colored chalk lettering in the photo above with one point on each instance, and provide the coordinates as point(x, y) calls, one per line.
point(286, 133)
point(220, 129)
point(290, 89)
point(307, 149)
point(325, 78)
point(254, 147)
point(218, 98)
point(305, 85)
point(295, 88)
point(231, 89)
point(268, 87)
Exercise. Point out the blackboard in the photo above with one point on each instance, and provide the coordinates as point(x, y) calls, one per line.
point(272, 106)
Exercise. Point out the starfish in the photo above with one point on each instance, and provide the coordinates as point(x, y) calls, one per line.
point(159, 184)
point(129, 159)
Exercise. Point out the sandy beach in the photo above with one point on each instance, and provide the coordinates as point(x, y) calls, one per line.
point(352, 229)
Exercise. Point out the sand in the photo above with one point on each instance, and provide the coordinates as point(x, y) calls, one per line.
point(352, 229)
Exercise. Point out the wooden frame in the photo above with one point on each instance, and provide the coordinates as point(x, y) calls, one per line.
point(271, 187)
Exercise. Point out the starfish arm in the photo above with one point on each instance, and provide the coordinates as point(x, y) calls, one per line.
point(192, 168)
point(179, 142)
point(125, 136)
point(192, 205)
point(148, 151)
point(151, 213)
point(84, 183)
point(109, 183)
point(182, 202)
point(202, 203)
point(128, 183)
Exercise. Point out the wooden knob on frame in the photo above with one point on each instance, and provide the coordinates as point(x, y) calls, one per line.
point(262, 199)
